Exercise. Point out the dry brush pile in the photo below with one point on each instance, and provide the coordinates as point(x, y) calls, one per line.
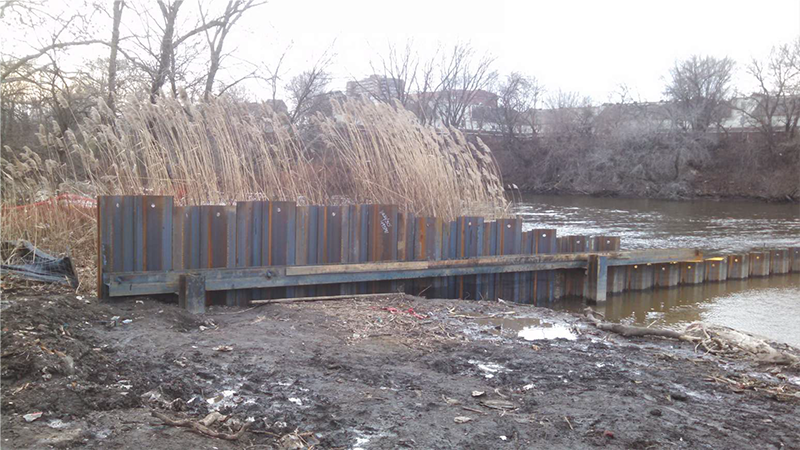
point(220, 152)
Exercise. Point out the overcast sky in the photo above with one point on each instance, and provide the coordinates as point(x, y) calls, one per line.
point(585, 46)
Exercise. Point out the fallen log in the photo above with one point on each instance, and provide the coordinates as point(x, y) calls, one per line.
point(628, 330)
point(199, 428)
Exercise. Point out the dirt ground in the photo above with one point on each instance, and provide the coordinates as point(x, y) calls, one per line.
point(387, 372)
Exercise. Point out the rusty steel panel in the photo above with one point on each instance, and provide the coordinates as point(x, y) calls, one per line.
point(157, 232)
point(469, 243)
point(692, 272)
point(716, 269)
point(779, 261)
point(606, 243)
point(759, 264)
point(248, 243)
point(639, 277)
point(666, 275)
point(544, 242)
point(214, 250)
point(738, 266)
point(794, 256)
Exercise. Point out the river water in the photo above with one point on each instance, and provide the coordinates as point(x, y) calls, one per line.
point(765, 306)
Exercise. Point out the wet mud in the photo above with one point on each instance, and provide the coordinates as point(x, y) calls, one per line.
point(389, 372)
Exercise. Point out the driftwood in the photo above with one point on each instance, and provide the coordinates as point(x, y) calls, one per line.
point(199, 428)
point(714, 339)
point(627, 330)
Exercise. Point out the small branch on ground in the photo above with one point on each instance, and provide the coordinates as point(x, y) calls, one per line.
point(199, 428)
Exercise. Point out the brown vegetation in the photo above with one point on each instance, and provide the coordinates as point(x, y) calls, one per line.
point(221, 152)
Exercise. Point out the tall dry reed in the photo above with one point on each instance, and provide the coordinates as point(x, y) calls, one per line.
point(221, 151)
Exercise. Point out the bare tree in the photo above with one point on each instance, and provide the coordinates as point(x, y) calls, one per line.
point(700, 89)
point(570, 114)
point(777, 79)
point(399, 68)
point(463, 75)
point(518, 97)
point(305, 92)
point(63, 31)
point(165, 66)
point(233, 12)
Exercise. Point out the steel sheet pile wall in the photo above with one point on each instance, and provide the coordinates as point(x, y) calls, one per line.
point(151, 233)
point(147, 245)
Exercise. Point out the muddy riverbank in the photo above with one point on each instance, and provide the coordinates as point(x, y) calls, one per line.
point(389, 372)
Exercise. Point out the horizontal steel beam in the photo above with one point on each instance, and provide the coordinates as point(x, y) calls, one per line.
point(223, 279)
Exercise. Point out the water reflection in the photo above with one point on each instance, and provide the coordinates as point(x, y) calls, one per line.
point(765, 306)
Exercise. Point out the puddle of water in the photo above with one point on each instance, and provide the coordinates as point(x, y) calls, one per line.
point(544, 333)
point(528, 328)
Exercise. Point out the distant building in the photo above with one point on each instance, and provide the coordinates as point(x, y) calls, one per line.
point(376, 87)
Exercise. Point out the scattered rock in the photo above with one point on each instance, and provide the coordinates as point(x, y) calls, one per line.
point(477, 393)
point(462, 419)
point(32, 416)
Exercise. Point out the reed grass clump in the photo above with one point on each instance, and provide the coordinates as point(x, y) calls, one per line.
point(221, 151)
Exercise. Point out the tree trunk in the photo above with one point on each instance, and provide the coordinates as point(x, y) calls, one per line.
point(212, 73)
point(112, 60)
point(170, 14)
